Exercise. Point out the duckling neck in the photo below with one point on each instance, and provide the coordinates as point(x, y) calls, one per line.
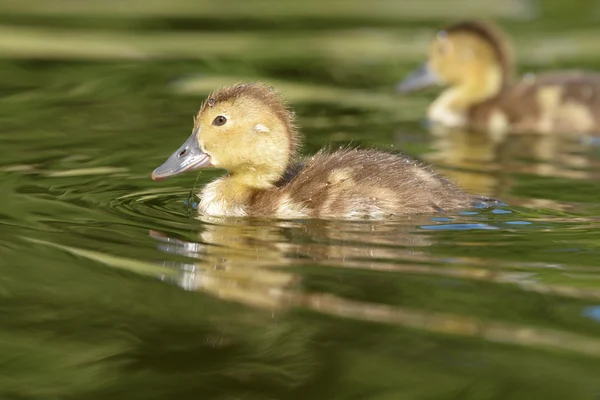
point(452, 107)
point(481, 86)
point(231, 194)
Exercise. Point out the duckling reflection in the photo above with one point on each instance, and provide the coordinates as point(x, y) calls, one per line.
point(241, 259)
point(486, 163)
point(468, 157)
point(250, 261)
point(474, 61)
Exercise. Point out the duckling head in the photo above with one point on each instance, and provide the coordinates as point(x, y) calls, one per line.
point(472, 55)
point(246, 129)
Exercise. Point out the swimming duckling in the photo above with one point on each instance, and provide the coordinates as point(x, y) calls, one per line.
point(249, 131)
point(474, 60)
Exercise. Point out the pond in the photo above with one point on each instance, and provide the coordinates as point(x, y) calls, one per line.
point(112, 286)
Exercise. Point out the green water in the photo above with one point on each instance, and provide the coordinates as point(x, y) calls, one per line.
point(111, 287)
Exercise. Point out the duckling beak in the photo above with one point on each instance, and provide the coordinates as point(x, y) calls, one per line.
point(421, 78)
point(188, 157)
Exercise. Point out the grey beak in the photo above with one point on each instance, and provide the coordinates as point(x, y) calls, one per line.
point(419, 79)
point(188, 157)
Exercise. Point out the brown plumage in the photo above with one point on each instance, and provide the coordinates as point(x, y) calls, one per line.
point(475, 61)
point(359, 183)
point(249, 131)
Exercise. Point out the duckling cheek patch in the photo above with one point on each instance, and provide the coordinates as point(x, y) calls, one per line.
point(444, 43)
point(260, 128)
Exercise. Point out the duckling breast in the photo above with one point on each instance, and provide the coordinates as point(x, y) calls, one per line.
point(216, 200)
point(443, 110)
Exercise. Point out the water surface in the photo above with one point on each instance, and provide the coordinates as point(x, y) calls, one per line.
point(110, 285)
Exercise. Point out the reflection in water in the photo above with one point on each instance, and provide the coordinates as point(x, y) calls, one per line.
point(90, 309)
point(254, 262)
point(486, 163)
point(235, 257)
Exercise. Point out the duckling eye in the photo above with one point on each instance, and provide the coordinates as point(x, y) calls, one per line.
point(219, 121)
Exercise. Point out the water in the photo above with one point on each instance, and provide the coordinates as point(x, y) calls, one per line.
point(110, 286)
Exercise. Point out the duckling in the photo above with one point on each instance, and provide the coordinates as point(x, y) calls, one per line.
point(249, 131)
point(474, 60)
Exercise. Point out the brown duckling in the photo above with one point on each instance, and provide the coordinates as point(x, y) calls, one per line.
point(249, 131)
point(474, 61)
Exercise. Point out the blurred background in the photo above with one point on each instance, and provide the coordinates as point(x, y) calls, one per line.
point(111, 286)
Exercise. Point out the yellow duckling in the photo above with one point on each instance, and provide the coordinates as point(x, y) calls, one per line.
point(249, 131)
point(474, 60)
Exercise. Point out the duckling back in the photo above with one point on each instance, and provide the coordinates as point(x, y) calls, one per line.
point(354, 183)
point(562, 102)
